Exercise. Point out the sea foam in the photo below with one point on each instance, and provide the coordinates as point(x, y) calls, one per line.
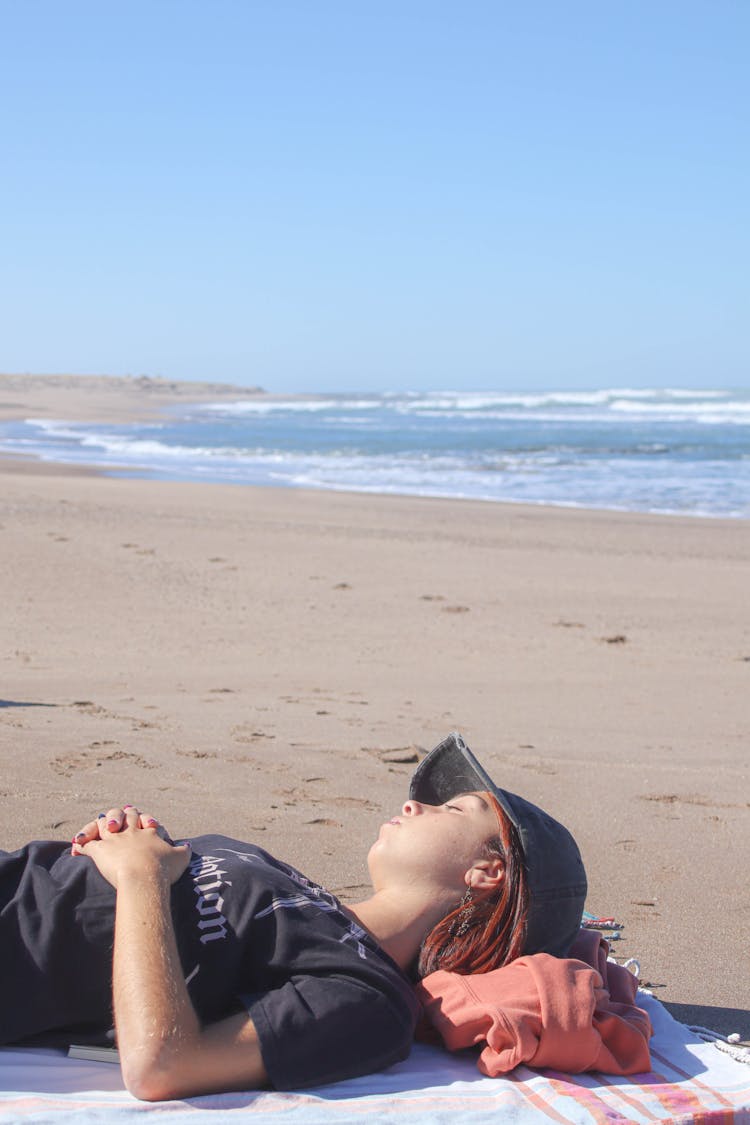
point(666, 450)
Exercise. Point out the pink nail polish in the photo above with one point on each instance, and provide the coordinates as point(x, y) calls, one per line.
point(112, 825)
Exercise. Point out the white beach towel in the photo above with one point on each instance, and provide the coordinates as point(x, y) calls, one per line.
point(691, 1081)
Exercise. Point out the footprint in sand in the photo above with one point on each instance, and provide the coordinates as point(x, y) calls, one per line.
point(126, 756)
point(538, 767)
point(89, 708)
point(294, 795)
point(691, 799)
point(353, 891)
point(397, 755)
point(444, 608)
point(244, 733)
point(138, 549)
point(349, 803)
point(68, 764)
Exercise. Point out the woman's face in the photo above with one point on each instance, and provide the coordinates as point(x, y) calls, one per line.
point(434, 845)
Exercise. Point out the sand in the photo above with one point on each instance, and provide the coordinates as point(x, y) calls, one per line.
point(270, 662)
point(103, 398)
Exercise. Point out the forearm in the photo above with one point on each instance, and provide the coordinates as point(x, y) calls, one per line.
point(165, 1052)
point(156, 1024)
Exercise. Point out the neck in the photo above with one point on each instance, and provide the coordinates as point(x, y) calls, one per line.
point(399, 922)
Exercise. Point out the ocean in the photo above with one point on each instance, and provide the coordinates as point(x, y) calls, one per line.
point(671, 451)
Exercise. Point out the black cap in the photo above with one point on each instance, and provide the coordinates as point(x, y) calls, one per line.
point(555, 875)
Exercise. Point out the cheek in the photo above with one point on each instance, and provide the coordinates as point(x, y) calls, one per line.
point(460, 842)
point(453, 853)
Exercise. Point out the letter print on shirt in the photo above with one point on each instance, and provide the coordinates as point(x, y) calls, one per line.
point(320, 900)
point(311, 895)
point(209, 902)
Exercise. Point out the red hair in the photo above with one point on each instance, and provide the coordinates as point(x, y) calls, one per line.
point(476, 937)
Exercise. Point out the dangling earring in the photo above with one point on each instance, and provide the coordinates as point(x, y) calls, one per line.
point(463, 922)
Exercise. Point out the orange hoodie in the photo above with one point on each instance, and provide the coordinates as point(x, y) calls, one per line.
point(544, 1011)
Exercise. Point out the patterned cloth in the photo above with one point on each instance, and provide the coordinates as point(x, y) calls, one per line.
point(691, 1082)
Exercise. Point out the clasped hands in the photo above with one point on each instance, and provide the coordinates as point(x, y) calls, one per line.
point(126, 843)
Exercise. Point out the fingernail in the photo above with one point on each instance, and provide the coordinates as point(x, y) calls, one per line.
point(152, 821)
point(112, 825)
point(126, 807)
point(79, 836)
point(101, 816)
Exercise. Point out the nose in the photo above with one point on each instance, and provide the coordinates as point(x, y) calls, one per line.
point(413, 808)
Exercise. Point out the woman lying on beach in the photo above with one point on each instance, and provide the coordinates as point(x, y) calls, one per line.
point(228, 969)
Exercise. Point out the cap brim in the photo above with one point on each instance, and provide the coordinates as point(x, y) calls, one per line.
point(451, 768)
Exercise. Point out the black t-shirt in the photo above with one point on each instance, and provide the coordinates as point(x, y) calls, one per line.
point(252, 933)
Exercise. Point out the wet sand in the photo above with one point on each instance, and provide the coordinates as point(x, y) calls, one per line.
point(270, 663)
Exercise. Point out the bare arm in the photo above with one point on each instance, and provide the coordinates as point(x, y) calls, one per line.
point(164, 1050)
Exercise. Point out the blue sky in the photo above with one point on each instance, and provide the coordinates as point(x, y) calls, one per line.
point(328, 195)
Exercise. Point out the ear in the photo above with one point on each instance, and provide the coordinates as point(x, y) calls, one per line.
point(485, 876)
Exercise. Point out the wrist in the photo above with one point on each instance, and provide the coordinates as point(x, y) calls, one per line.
point(144, 874)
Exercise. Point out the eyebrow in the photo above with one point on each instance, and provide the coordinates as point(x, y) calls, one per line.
point(476, 796)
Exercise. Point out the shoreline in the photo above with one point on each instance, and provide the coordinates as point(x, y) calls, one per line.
point(32, 465)
point(82, 399)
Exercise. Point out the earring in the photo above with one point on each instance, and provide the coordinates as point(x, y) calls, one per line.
point(463, 922)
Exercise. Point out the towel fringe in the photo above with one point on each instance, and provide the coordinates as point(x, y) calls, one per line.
point(729, 1044)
